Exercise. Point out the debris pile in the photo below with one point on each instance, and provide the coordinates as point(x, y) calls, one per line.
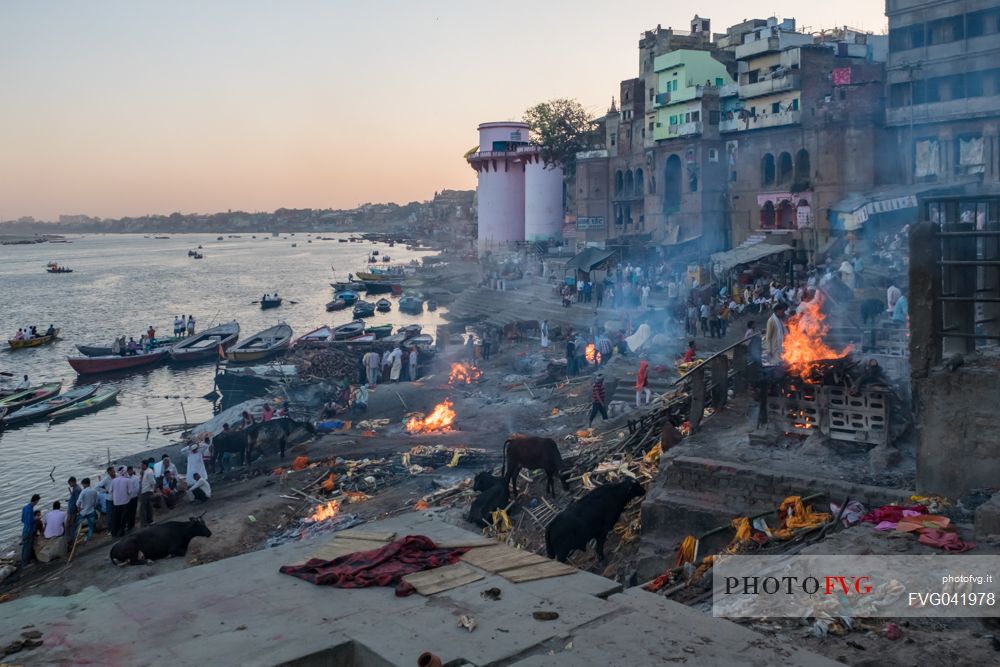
point(325, 363)
point(437, 456)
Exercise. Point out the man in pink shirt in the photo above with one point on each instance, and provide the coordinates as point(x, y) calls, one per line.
point(120, 496)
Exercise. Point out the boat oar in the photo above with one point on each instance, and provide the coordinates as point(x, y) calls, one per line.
point(6, 374)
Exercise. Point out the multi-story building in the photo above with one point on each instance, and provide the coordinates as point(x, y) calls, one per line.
point(943, 91)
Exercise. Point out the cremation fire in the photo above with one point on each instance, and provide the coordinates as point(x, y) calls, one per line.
point(324, 512)
point(464, 374)
point(803, 349)
point(440, 419)
point(593, 356)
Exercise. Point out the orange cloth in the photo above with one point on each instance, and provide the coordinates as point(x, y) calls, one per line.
point(642, 377)
point(300, 463)
point(686, 552)
point(909, 524)
point(794, 514)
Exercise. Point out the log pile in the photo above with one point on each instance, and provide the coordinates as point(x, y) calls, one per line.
point(326, 363)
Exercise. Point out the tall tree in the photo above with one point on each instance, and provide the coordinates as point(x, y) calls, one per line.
point(562, 128)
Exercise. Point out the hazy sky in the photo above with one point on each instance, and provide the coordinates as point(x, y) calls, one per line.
point(126, 108)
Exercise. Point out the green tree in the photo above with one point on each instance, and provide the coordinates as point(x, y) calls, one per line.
point(562, 128)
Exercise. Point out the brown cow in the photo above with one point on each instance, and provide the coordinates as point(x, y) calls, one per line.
point(532, 453)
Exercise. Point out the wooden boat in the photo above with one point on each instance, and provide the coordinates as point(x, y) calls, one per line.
point(262, 345)
point(364, 309)
point(411, 304)
point(49, 405)
point(206, 344)
point(351, 285)
point(350, 330)
point(375, 287)
point(255, 378)
point(377, 276)
point(319, 336)
point(32, 342)
point(383, 305)
point(410, 330)
point(20, 399)
point(336, 304)
point(421, 342)
point(341, 240)
point(102, 399)
point(272, 302)
point(381, 331)
point(105, 350)
point(118, 362)
point(58, 269)
point(348, 296)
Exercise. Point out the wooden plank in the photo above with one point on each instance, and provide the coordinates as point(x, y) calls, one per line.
point(362, 534)
point(472, 543)
point(343, 546)
point(444, 578)
point(549, 568)
point(501, 558)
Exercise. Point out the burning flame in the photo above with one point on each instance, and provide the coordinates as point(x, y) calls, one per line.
point(593, 356)
point(803, 348)
point(324, 512)
point(440, 419)
point(464, 374)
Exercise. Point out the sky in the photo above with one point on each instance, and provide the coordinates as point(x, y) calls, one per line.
point(115, 108)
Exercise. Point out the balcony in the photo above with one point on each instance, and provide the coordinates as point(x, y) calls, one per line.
point(760, 121)
point(777, 41)
point(788, 81)
point(662, 99)
point(729, 90)
point(684, 129)
point(960, 109)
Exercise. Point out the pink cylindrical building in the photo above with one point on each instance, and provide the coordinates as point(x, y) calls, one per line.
point(543, 200)
point(500, 164)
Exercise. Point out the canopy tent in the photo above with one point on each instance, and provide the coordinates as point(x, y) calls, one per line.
point(853, 211)
point(723, 261)
point(588, 259)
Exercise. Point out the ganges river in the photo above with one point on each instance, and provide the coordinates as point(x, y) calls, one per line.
point(121, 284)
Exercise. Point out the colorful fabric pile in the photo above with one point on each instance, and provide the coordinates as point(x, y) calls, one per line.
point(932, 529)
point(385, 566)
point(795, 514)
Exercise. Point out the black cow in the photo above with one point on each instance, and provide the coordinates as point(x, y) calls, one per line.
point(230, 442)
point(170, 538)
point(485, 480)
point(490, 500)
point(591, 517)
point(532, 453)
point(274, 431)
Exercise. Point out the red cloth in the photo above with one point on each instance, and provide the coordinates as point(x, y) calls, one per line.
point(642, 377)
point(597, 393)
point(379, 567)
point(944, 540)
point(688, 356)
point(891, 513)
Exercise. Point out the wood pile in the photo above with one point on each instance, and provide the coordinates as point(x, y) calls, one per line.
point(326, 363)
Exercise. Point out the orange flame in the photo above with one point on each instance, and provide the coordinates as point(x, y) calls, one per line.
point(464, 374)
point(593, 356)
point(440, 419)
point(324, 512)
point(803, 348)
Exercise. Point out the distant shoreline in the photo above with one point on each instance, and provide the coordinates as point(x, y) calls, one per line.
point(25, 239)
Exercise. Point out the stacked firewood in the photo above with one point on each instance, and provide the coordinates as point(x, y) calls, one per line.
point(326, 364)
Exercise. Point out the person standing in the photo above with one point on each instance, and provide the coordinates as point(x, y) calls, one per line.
point(28, 530)
point(86, 508)
point(414, 358)
point(190, 325)
point(119, 500)
point(104, 487)
point(147, 486)
point(386, 364)
point(543, 329)
point(134, 485)
point(208, 452)
point(598, 400)
point(774, 334)
point(892, 295)
point(396, 359)
point(644, 298)
point(703, 314)
point(195, 460)
point(371, 362)
point(642, 383)
point(71, 513)
point(570, 357)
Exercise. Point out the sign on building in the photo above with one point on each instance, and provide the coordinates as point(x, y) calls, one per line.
point(584, 223)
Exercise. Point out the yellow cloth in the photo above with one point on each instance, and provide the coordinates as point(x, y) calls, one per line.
point(794, 515)
point(653, 455)
point(685, 554)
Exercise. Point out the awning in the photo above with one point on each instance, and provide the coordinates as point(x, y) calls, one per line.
point(589, 259)
point(723, 261)
point(853, 211)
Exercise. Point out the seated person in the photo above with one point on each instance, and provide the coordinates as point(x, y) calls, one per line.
point(168, 490)
point(53, 544)
point(359, 401)
point(200, 489)
point(50, 331)
point(132, 347)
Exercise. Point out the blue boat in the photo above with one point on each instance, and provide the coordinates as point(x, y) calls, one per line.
point(347, 296)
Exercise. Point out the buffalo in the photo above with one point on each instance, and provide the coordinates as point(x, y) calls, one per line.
point(170, 538)
point(493, 496)
point(590, 518)
point(265, 434)
point(532, 453)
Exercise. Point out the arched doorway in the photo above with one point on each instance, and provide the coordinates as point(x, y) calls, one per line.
point(767, 215)
point(802, 168)
point(784, 168)
point(767, 169)
point(629, 183)
point(672, 185)
point(640, 183)
point(786, 215)
point(619, 182)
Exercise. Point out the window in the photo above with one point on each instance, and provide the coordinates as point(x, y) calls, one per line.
point(629, 182)
point(672, 185)
point(802, 168)
point(695, 116)
point(767, 215)
point(784, 168)
point(775, 107)
point(942, 31)
point(619, 182)
point(639, 182)
point(795, 104)
point(753, 112)
point(767, 169)
point(986, 22)
point(910, 37)
point(650, 126)
point(673, 120)
point(753, 76)
point(713, 155)
point(719, 81)
point(713, 117)
point(732, 177)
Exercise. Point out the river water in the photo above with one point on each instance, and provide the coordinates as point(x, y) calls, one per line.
point(120, 285)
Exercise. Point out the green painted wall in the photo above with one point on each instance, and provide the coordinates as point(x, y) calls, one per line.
point(679, 74)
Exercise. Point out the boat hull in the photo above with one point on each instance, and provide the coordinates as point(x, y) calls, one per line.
point(43, 408)
point(18, 400)
point(196, 349)
point(270, 303)
point(112, 363)
point(86, 406)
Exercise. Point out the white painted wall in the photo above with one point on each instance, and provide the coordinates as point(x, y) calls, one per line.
point(501, 203)
point(543, 201)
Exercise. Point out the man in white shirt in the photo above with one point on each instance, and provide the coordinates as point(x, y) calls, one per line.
point(54, 522)
point(163, 466)
point(147, 486)
point(86, 506)
point(128, 522)
point(414, 357)
point(119, 499)
point(200, 489)
point(25, 384)
point(891, 297)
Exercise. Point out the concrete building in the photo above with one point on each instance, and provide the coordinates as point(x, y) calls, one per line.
point(543, 199)
point(943, 90)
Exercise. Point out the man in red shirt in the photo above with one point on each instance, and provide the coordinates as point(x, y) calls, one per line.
point(599, 401)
